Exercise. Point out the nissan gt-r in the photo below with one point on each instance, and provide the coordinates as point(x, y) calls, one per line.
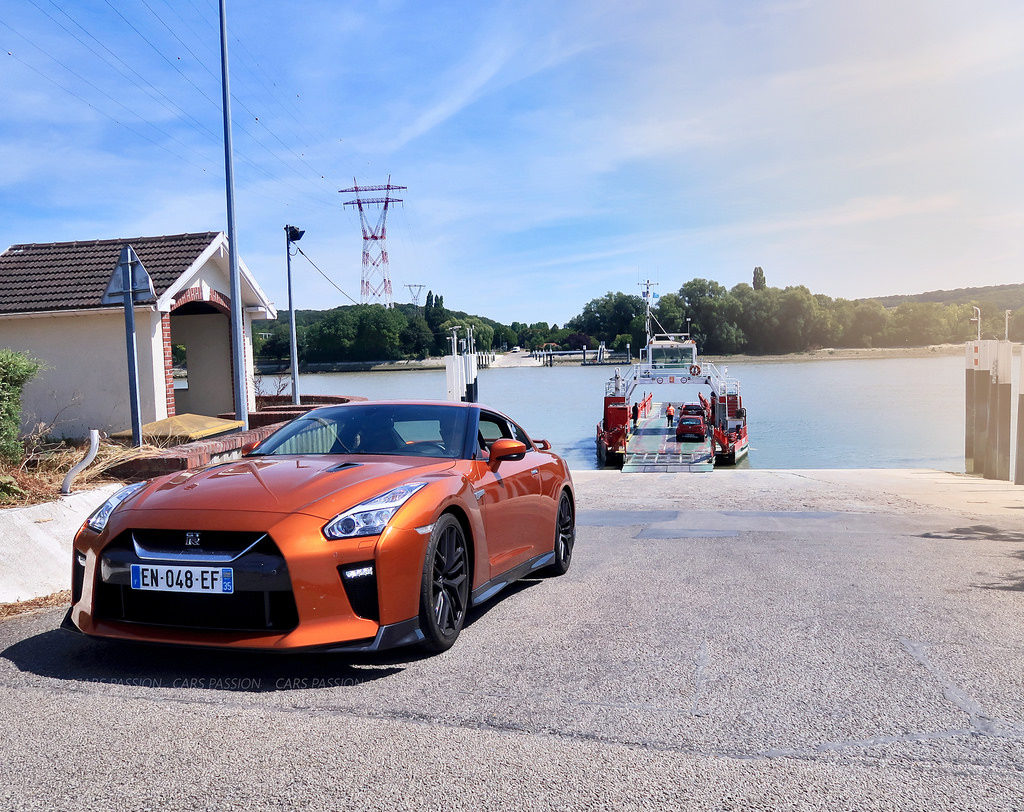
point(354, 528)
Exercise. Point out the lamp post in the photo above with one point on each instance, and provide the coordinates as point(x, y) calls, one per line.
point(687, 326)
point(292, 234)
point(977, 318)
point(1006, 315)
point(237, 335)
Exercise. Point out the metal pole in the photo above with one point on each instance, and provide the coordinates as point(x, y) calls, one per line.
point(291, 320)
point(133, 354)
point(237, 336)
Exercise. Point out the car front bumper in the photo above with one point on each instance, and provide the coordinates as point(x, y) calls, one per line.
point(290, 588)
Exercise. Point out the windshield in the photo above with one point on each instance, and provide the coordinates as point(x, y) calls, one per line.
point(672, 354)
point(403, 429)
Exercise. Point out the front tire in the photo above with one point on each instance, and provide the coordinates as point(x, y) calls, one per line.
point(444, 592)
point(565, 536)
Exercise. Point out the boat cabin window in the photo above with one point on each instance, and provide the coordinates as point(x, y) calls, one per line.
point(671, 355)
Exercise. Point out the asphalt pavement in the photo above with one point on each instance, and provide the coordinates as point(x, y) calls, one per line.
point(744, 643)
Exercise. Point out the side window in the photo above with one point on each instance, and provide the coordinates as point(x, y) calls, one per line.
point(492, 428)
point(521, 436)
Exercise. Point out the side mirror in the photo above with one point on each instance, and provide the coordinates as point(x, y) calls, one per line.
point(250, 446)
point(506, 449)
point(543, 445)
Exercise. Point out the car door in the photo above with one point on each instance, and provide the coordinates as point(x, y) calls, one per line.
point(507, 496)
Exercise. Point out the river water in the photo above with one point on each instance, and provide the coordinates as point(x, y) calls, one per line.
point(878, 413)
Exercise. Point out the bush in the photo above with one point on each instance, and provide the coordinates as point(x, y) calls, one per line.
point(16, 370)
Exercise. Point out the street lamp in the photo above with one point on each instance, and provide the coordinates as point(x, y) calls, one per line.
point(688, 326)
point(292, 234)
point(1007, 316)
point(977, 318)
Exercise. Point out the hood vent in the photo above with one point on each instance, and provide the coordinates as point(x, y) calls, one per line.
point(341, 466)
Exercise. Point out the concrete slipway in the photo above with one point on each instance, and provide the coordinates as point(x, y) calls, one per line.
point(35, 542)
point(840, 640)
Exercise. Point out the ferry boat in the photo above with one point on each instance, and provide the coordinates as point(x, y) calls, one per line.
point(669, 364)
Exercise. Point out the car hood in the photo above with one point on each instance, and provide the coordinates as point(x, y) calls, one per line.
point(287, 484)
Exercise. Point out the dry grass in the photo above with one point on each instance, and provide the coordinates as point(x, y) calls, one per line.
point(48, 602)
point(38, 477)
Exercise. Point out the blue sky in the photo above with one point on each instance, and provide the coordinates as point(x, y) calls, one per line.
point(553, 151)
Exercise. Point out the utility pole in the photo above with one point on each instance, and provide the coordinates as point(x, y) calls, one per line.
point(237, 336)
point(292, 234)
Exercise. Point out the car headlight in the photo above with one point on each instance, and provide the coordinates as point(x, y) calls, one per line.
point(98, 520)
point(369, 518)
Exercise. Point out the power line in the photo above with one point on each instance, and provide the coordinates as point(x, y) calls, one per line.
point(103, 113)
point(143, 83)
point(241, 102)
point(325, 276)
point(188, 79)
point(94, 86)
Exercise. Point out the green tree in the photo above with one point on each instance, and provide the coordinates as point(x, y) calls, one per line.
point(608, 316)
point(16, 370)
point(759, 280)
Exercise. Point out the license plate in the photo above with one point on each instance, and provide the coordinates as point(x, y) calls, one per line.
point(211, 580)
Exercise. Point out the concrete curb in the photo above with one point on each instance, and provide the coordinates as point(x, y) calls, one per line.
point(35, 544)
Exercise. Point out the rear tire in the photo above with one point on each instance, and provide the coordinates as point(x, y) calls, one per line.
point(565, 536)
point(444, 591)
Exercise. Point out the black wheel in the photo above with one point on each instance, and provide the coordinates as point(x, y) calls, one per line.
point(565, 536)
point(444, 595)
point(602, 455)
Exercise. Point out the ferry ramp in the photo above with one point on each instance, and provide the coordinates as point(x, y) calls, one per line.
point(653, 448)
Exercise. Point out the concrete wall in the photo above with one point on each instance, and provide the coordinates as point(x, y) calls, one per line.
point(207, 340)
point(85, 383)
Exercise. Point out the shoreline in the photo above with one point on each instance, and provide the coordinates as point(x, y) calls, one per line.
point(508, 360)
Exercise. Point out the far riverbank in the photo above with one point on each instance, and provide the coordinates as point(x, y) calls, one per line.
point(524, 359)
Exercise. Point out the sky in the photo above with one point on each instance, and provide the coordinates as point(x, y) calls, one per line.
point(552, 151)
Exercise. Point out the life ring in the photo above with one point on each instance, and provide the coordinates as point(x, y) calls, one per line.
point(695, 369)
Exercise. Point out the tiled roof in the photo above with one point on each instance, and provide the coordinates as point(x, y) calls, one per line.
point(72, 275)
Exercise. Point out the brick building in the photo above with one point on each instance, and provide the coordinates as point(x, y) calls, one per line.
point(50, 308)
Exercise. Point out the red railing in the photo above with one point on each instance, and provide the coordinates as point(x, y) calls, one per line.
point(645, 405)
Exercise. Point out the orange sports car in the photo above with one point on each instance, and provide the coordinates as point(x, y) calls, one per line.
point(352, 528)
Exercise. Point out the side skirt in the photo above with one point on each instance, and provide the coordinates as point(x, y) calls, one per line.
point(488, 590)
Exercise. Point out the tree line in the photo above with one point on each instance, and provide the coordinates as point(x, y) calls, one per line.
point(754, 318)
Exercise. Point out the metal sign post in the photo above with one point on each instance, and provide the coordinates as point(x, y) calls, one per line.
point(131, 284)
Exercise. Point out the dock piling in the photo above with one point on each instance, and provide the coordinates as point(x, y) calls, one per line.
point(1003, 375)
point(982, 389)
point(972, 359)
point(1018, 469)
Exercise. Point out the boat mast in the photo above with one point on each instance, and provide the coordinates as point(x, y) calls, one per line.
point(646, 285)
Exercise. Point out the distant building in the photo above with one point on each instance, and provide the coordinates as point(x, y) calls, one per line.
point(50, 296)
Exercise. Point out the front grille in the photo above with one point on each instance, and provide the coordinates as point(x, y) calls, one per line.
point(262, 600)
point(203, 542)
point(241, 611)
